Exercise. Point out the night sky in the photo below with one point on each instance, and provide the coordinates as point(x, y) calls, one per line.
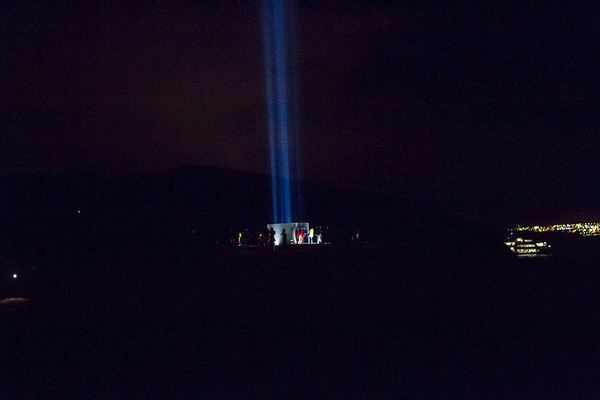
point(472, 105)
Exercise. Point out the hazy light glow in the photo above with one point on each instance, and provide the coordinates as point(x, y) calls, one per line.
point(282, 123)
point(14, 276)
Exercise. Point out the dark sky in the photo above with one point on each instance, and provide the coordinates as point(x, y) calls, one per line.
point(460, 102)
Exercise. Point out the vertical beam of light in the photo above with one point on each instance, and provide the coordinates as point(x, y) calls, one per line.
point(283, 143)
point(271, 111)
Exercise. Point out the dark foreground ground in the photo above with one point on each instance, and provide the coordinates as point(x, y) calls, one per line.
point(337, 322)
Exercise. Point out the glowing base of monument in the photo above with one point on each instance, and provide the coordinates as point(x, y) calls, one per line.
point(290, 236)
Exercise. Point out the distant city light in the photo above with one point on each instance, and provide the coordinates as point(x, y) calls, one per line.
point(582, 228)
point(528, 248)
point(14, 300)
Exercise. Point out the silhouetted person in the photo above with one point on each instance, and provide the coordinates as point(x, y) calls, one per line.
point(283, 237)
point(271, 239)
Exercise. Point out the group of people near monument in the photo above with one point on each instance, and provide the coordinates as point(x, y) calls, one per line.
point(303, 236)
point(266, 237)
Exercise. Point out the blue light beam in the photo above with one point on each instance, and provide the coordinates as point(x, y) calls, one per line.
point(282, 120)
